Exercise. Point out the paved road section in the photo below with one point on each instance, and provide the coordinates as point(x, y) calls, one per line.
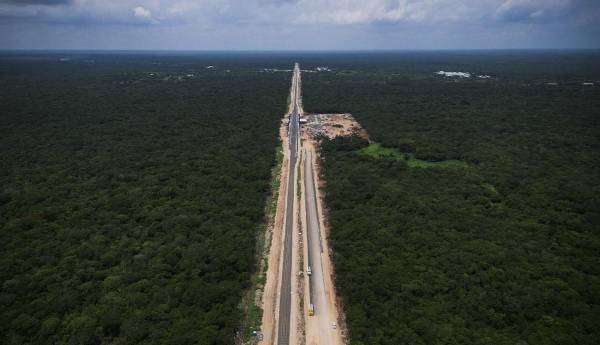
point(283, 331)
point(318, 291)
point(314, 247)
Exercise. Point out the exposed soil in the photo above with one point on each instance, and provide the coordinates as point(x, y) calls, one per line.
point(333, 125)
point(314, 330)
point(269, 300)
point(308, 329)
point(273, 279)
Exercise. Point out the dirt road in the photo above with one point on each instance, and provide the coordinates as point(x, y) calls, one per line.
point(322, 327)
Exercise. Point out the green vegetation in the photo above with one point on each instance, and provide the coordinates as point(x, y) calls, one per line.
point(251, 307)
point(133, 188)
point(506, 251)
point(377, 151)
point(130, 198)
point(489, 188)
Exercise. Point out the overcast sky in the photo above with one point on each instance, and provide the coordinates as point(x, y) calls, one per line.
point(298, 24)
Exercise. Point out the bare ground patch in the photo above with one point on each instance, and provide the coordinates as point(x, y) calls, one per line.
point(273, 243)
point(332, 125)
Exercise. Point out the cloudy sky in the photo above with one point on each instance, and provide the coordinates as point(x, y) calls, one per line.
point(298, 24)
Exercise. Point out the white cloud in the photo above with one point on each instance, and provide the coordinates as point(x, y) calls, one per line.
point(523, 10)
point(142, 12)
point(334, 12)
point(288, 13)
point(297, 24)
point(351, 12)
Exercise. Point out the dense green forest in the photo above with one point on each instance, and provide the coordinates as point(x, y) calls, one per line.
point(474, 216)
point(132, 187)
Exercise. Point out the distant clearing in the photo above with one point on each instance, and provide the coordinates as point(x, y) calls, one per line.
point(377, 151)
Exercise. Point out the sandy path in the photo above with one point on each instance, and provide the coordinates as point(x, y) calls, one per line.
point(335, 311)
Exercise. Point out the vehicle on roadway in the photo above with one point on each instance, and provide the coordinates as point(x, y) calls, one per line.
point(311, 310)
point(308, 271)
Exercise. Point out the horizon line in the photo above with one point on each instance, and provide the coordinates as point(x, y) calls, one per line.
point(290, 50)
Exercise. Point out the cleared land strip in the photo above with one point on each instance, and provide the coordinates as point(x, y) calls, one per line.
point(279, 302)
point(325, 320)
point(323, 317)
point(320, 313)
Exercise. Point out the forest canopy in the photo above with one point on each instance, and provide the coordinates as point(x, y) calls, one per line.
point(132, 188)
point(501, 249)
